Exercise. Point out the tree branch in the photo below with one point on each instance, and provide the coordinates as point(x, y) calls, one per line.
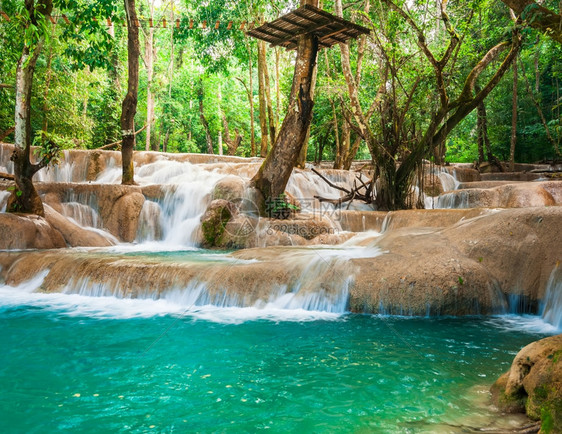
point(118, 142)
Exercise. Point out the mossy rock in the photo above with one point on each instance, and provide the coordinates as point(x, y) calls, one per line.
point(214, 221)
point(534, 384)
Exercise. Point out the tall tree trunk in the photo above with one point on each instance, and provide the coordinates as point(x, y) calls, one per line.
point(277, 87)
point(149, 55)
point(267, 85)
point(348, 161)
point(337, 158)
point(48, 77)
point(129, 107)
point(25, 198)
point(250, 92)
point(301, 162)
point(262, 99)
point(171, 81)
point(221, 116)
point(481, 131)
point(513, 119)
point(275, 171)
point(203, 119)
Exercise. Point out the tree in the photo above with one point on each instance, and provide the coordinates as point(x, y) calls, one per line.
point(538, 17)
point(274, 173)
point(129, 107)
point(25, 198)
point(407, 133)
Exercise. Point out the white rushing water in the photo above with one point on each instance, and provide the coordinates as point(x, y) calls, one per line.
point(189, 303)
point(551, 307)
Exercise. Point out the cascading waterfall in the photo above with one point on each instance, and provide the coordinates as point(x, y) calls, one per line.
point(447, 200)
point(320, 278)
point(188, 188)
point(551, 309)
point(4, 195)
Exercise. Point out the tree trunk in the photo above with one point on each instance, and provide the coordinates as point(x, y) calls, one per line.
point(481, 130)
point(277, 87)
point(166, 139)
point(203, 119)
point(351, 154)
point(337, 157)
point(301, 162)
point(250, 92)
point(538, 17)
point(129, 107)
point(513, 120)
point(262, 100)
point(275, 171)
point(149, 62)
point(25, 198)
point(232, 145)
point(267, 85)
point(48, 77)
point(221, 116)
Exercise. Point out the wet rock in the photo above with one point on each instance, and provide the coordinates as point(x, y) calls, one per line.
point(471, 267)
point(214, 221)
point(230, 188)
point(534, 384)
point(518, 195)
point(361, 221)
point(123, 218)
point(74, 235)
point(28, 232)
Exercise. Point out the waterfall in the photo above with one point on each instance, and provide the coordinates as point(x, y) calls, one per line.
point(150, 222)
point(320, 279)
point(4, 195)
point(455, 199)
point(551, 306)
point(81, 214)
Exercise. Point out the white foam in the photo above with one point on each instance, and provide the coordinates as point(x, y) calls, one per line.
point(551, 307)
point(525, 323)
point(108, 307)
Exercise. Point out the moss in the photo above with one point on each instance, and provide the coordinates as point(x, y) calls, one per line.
point(547, 421)
point(214, 227)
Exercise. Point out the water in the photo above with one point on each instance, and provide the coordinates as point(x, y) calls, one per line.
point(551, 307)
point(73, 368)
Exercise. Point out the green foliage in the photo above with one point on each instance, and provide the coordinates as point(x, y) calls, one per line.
point(49, 146)
point(80, 78)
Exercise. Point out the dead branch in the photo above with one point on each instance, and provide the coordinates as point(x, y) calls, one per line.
point(7, 176)
point(118, 142)
point(350, 195)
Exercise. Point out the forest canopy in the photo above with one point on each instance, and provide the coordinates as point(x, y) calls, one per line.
point(203, 83)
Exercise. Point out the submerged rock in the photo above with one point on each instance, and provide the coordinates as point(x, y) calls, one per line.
point(534, 384)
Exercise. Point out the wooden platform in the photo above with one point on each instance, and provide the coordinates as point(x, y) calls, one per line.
point(328, 28)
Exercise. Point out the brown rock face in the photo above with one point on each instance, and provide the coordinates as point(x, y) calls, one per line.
point(468, 268)
point(28, 232)
point(123, 218)
point(527, 194)
point(534, 384)
point(74, 235)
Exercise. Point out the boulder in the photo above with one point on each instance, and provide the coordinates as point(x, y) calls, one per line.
point(123, 219)
point(214, 221)
point(230, 188)
point(534, 384)
point(18, 231)
point(74, 235)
